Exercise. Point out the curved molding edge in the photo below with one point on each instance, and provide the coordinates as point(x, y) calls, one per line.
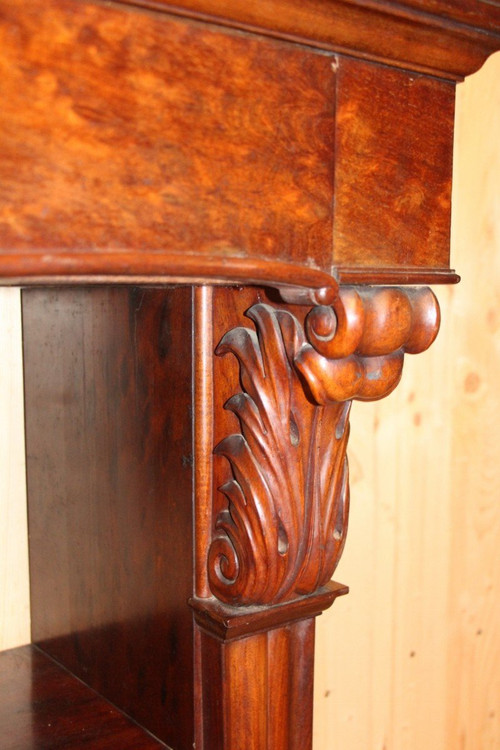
point(449, 40)
point(296, 283)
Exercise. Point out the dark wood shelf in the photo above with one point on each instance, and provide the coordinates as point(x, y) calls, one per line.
point(44, 707)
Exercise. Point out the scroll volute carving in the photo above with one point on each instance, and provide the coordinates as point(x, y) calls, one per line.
point(283, 530)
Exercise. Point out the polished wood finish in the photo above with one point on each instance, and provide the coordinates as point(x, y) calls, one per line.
point(186, 141)
point(231, 635)
point(248, 699)
point(283, 530)
point(352, 134)
point(187, 509)
point(109, 465)
point(447, 38)
point(278, 501)
point(394, 143)
point(296, 283)
point(46, 708)
point(228, 623)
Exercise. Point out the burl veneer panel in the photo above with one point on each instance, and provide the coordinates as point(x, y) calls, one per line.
point(128, 130)
point(394, 142)
point(109, 460)
point(43, 707)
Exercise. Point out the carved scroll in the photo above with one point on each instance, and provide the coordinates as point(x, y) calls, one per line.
point(284, 529)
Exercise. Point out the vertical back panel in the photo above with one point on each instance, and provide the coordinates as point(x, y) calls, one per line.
point(108, 415)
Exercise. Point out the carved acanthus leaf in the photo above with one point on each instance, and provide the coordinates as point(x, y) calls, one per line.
point(288, 495)
point(283, 531)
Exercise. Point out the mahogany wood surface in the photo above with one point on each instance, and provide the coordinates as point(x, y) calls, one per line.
point(281, 498)
point(443, 37)
point(255, 664)
point(148, 147)
point(128, 136)
point(275, 493)
point(190, 445)
point(109, 464)
point(393, 167)
point(43, 707)
point(258, 690)
point(228, 623)
point(297, 282)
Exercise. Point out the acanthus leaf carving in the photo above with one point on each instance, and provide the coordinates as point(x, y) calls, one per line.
point(284, 528)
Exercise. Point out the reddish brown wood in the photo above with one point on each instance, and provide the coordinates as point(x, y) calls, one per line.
point(127, 132)
point(370, 275)
point(151, 146)
point(279, 532)
point(109, 459)
point(483, 14)
point(203, 397)
point(448, 38)
point(373, 322)
point(254, 664)
point(43, 707)
point(257, 691)
point(197, 209)
point(228, 623)
point(394, 144)
point(284, 526)
point(297, 283)
point(282, 530)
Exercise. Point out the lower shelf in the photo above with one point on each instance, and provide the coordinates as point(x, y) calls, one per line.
point(44, 707)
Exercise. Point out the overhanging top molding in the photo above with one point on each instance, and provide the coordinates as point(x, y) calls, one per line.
point(144, 146)
point(446, 38)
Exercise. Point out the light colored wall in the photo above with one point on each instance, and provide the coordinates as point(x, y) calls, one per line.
point(410, 660)
point(14, 595)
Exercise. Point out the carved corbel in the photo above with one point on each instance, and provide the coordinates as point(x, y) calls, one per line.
point(283, 530)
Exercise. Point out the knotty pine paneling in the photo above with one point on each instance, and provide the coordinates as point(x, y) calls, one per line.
point(411, 658)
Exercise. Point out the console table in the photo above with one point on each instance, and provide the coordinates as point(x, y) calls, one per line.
point(224, 217)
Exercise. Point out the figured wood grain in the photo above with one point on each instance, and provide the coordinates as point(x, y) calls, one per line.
point(43, 707)
point(411, 624)
point(394, 141)
point(443, 37)
point(135, 133)
point(14, 582)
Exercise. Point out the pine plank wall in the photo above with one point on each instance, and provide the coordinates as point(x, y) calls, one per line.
point(410, 660)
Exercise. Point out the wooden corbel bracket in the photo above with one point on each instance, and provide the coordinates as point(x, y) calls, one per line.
point(166, 168)
point(283, 530)
point(277, 538)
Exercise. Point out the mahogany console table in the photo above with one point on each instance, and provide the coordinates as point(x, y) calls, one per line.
point(222, 215)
